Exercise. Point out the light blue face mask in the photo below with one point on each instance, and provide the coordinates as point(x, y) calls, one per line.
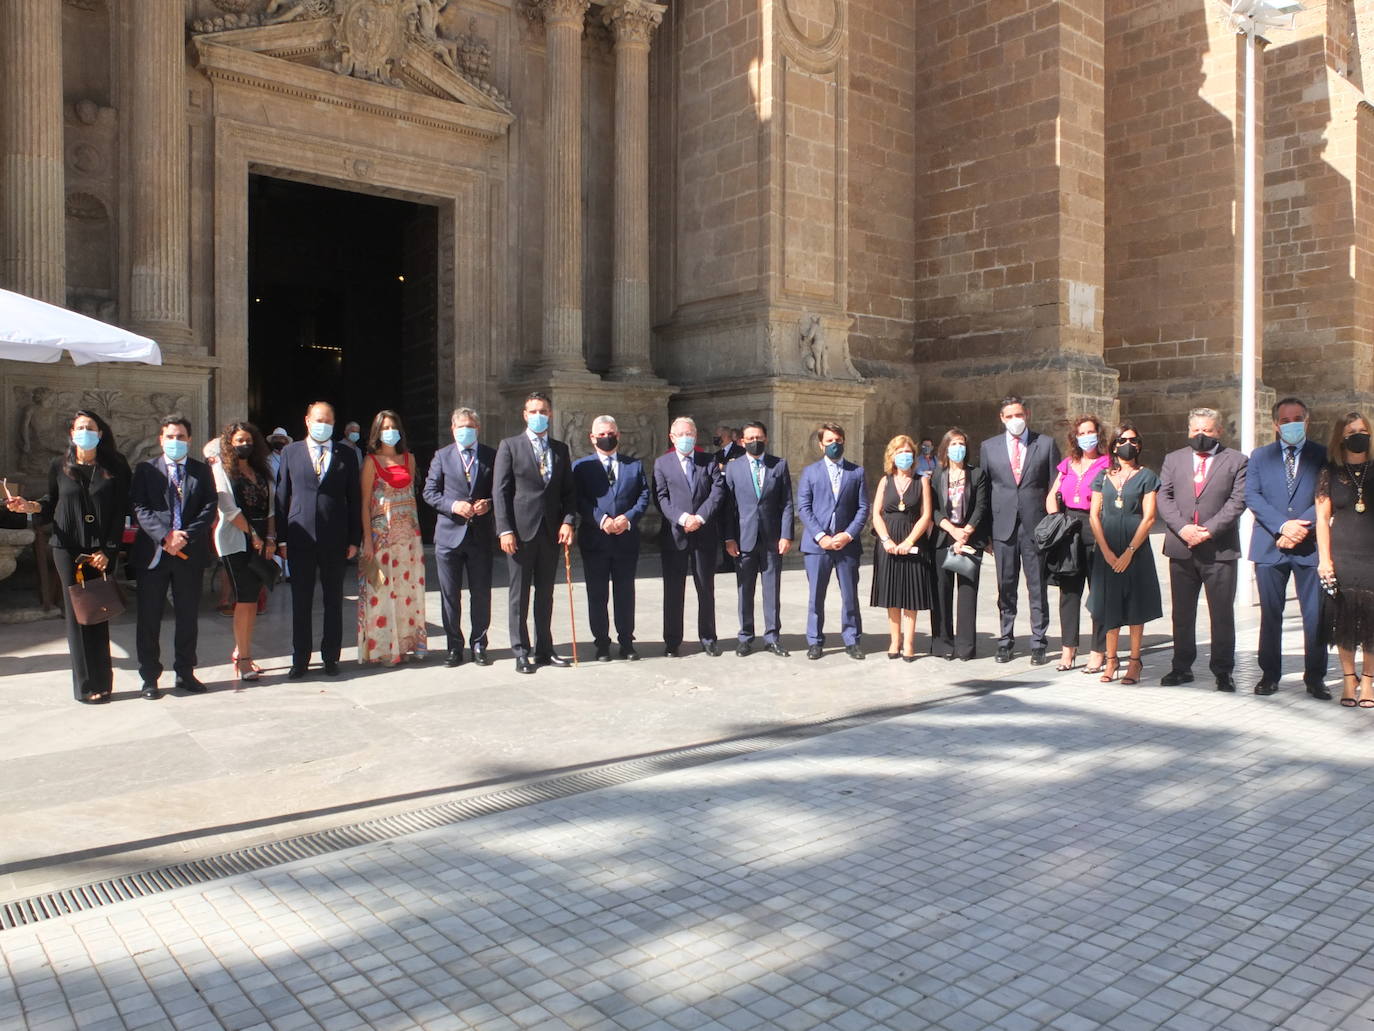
point(321, 431)
point(685, 445)
point(1293, 433)
point(957, 452)
point(1087, 442)
point(538, 422)
point(903, 460)
point(465, 436)
point(86, 440)
point(390, 437)
point(175, 450)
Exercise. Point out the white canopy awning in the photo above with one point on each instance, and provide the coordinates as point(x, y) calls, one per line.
point(35, 331)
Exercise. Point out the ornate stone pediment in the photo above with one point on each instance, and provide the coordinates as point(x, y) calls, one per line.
point(397, 44)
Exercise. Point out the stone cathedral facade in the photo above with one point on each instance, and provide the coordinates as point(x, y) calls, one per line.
point(886, 213)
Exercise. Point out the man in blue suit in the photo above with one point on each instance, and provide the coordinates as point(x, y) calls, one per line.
point(458, 487)
point(833, 504)
point(174, 502)
point(1281, 491)
point(612, 496)
point(319, 515)
point(689, 494)
point(758, 533)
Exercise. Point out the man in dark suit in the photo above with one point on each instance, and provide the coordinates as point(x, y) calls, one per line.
point(535, 507)
point(758, 489)
point(174, 502)
point(689, 494)
point(612, 496)
point(728, 445)
point(832, 501)
point(1020, 466)
point(459, 489)
point(1281, 491)
point(318, 503)
point(1201, 498)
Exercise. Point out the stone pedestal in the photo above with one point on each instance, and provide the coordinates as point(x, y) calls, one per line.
point(12, 542)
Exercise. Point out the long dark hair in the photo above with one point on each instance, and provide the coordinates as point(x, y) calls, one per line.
point(107, 457)
point(374, 435)
point(1125, 425)
point(257, 461)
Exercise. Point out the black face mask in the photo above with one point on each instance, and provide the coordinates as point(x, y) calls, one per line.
point(715, 442)
point(243, 450)
point(607, 442)
point(1357, 443)
point(927, 449)
point(1202, 442)
point(277, 445)
point(756, 447)
point(1128, 451)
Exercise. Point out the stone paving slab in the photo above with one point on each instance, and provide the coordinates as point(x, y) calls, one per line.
point(1056, 854)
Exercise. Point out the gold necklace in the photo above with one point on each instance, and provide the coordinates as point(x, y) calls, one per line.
point(901, 493)
point(1359, 485)
point(1119, 502)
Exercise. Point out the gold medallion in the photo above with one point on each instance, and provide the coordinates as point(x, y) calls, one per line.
point(1359, 506)
point(1119, 502)
point(901, 506)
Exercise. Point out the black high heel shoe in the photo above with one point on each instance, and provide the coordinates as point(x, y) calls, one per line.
point(1350, 702)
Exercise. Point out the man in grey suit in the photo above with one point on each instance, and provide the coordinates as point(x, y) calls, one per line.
point(758, 533)
point(1201, 498)
point(1020, 466)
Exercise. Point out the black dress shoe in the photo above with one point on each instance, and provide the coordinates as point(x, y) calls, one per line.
point(1004, 653)
point(1038, 657)
point(453, 658)
point(777, 649)
point(712, 649)
point(523, 664)
point(671, 653)
point(190, 685)
point(296, 672)
point(628, 653)
point(552, 659)
point(479, 655)
point(744, 648)
point(1175, 677)
point(150, 691)
point(854, 651)
point(1266, 686)
point(603, 654)
point(1225, 683)
point(1318, 690)
point(331, 667)
point(814, 651)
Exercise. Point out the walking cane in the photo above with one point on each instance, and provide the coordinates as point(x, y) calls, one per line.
point(572, 617)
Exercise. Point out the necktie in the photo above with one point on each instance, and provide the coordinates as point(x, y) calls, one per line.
point(545, 469)
point(176, 501)
point(610, 470)
point(758, 477)
point(1200, 477)
point(1290, 466)
point(1016, 459)
point(319, 460)
point(688, 471)
point(468, 459)
point(834, 479)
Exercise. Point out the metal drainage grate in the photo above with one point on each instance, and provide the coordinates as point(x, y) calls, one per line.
point(60, 903)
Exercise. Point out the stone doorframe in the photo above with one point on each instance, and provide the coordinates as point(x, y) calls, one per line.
point(468, 202)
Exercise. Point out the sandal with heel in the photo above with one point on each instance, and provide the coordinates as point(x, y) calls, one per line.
point(1128, 679)
point(1109, 669)
point(1350, 702)
point(1366, 702)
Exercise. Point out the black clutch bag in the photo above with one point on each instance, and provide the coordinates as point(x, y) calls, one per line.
point(264, 568)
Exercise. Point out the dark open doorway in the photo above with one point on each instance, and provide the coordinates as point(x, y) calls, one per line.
point(343, 301)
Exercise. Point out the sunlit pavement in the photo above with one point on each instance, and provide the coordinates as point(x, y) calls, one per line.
point(1022, 849)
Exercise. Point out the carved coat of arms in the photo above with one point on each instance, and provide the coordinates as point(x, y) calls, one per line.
point(370, 38)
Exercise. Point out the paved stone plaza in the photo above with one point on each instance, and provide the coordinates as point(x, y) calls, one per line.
point(1016, 848)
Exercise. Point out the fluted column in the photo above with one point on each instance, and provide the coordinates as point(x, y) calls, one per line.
point(633, 22)
point(32, 205)
point(562, 335)
point(159, 298)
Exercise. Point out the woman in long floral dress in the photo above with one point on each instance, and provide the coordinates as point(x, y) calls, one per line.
point(391, 569)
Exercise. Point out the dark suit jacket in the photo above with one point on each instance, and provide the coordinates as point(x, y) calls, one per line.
point(1015, 506)
point(65, 506)
point(1218, 507)
point(976, 505)
point(522, 501)
point(767, 519)
point(315, 512)
point(446, 484)
point(150, 494)
point(816, 502)
point(1267, 495)
point(597, 498)
point(728, 454)
point(674, 497)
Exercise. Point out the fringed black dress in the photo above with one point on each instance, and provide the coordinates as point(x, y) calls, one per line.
point(1348, 618)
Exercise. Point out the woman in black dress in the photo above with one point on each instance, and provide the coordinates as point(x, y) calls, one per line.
point(1345, 553)
point(959, 496)
point(246, 526)
point(87, 502)
point(901, 517)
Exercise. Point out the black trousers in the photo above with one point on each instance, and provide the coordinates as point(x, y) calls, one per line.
point(763, 562)
point(473, 560)
point(89, 646)
point(1187, 579)
point(1071, 593)
point(608, 571)
point(701, 563)
point(1012, 556)
point(185, 577)
point(308, 565)
point(956, 609)
point(532, 568)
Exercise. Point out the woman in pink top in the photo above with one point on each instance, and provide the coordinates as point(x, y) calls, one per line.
point(1073, 490)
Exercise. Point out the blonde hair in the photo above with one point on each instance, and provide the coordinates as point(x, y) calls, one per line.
point(893, 446)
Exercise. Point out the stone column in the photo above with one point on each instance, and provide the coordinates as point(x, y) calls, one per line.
point(633, 22)
point(562, 333)
point(32, 205)
point(159, 297)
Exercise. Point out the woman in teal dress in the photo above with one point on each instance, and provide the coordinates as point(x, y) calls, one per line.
point(1125, 587)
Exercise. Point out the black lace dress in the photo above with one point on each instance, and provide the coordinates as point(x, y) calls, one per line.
point(1348, 618)
point(901, 581)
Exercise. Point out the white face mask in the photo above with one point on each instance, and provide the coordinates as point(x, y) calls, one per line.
point(1016, 426)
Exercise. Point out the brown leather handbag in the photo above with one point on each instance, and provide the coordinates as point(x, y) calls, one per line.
point(94, 601)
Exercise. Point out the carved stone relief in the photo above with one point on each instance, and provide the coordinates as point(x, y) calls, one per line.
point(44, 417)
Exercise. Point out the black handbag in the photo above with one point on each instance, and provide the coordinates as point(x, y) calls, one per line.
point(264, 568)
point(962, 563)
